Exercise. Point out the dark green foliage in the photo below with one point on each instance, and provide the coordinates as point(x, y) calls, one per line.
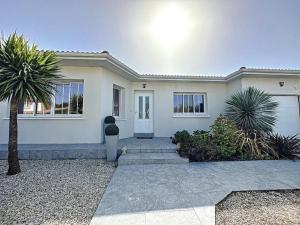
point(225, 138)
point(226, 142)
point(252, 110)
point(111, 130)
point(197, 132)
point(285, 146)
point(109, 119)
point(26, 73)
point(202, 153)
point(182, 137)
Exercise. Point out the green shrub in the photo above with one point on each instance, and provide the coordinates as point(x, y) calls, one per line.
point(198, 132)
point(109, 119)
point(225, 138)
point(285, 146)
point(182, 136)
point(202, 153)
point(111, 130)
point(202, 148)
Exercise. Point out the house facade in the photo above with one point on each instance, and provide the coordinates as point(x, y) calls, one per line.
point(96, 85)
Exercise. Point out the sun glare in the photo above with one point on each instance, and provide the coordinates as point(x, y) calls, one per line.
point(170, 26)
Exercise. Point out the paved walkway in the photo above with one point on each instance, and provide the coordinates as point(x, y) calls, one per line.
point(186, 194)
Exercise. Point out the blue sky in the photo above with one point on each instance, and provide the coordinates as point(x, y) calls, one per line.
point(223, 36)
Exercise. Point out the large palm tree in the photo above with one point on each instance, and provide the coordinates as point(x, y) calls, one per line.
point(252, 110)
point(26, 74)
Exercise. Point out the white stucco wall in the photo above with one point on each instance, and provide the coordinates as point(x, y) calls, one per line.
point(98, 98)
point(125, 121)
point(271, 85)
point(165, 124)
point(233, 86)
point(63, 130)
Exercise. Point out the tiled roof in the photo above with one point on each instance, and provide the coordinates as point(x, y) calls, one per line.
point(106, 55)
point(178, 76)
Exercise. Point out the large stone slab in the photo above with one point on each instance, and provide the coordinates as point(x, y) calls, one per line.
point(181, 194)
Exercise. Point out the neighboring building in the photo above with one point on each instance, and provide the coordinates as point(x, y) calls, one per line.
point(96, 85)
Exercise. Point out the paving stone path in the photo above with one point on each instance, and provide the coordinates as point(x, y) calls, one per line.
point(186, 194)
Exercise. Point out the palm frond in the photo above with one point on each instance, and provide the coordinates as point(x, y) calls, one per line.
point(25, 72)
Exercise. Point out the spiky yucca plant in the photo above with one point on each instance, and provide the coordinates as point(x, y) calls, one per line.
point(26, 74)
point(252, 110)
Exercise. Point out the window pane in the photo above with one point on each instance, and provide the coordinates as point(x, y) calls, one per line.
point(58, 99)
point(178, 104)
point(140, 107)
point(42, 109)
point(21, 108)
point(66, 98)
point(186, 103)
point(191, 104)
point(199, 103)
point(147, 107)
point(175, 103)
point(202, 103)
point(26, 108)
point(116, 99)
point(80, 98)
point(74, 98)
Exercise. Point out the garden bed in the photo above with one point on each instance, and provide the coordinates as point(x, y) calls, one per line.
point(53, 192)
point(260, 208)
point(226, 142)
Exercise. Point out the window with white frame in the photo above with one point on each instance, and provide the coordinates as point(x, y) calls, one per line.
point(68, 100)
point(189, 103)
point(118, 101)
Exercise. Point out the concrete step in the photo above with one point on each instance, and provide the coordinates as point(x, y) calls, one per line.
point(150, 158)
point(166, 150)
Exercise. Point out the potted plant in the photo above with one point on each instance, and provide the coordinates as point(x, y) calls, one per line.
point(107, 121)
point(112, 139)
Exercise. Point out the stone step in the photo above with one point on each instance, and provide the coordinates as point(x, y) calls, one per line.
point(166, 150)
point(150, 158)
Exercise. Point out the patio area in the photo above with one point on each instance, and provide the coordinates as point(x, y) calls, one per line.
point(186, 193)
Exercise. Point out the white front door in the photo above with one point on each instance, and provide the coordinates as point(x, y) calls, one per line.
point(143, 119)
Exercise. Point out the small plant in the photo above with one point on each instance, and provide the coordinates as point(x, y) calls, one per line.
point(111, 130)
point(202, 153)
point(225, 137)
point(109, 119)
point(285, 146)
point(182, 137)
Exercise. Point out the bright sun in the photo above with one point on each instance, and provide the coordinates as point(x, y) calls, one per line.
point(170, 26)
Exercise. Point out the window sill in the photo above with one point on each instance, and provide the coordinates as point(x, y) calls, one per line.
point(48, 118)
point(191, 116)
point(120, 119)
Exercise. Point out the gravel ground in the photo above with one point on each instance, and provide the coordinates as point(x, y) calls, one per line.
point(53, 192)
point(260, 208)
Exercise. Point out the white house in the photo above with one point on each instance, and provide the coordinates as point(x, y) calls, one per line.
point(96, 85)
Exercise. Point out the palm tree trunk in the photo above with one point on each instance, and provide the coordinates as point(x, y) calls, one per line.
point(13, 160)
